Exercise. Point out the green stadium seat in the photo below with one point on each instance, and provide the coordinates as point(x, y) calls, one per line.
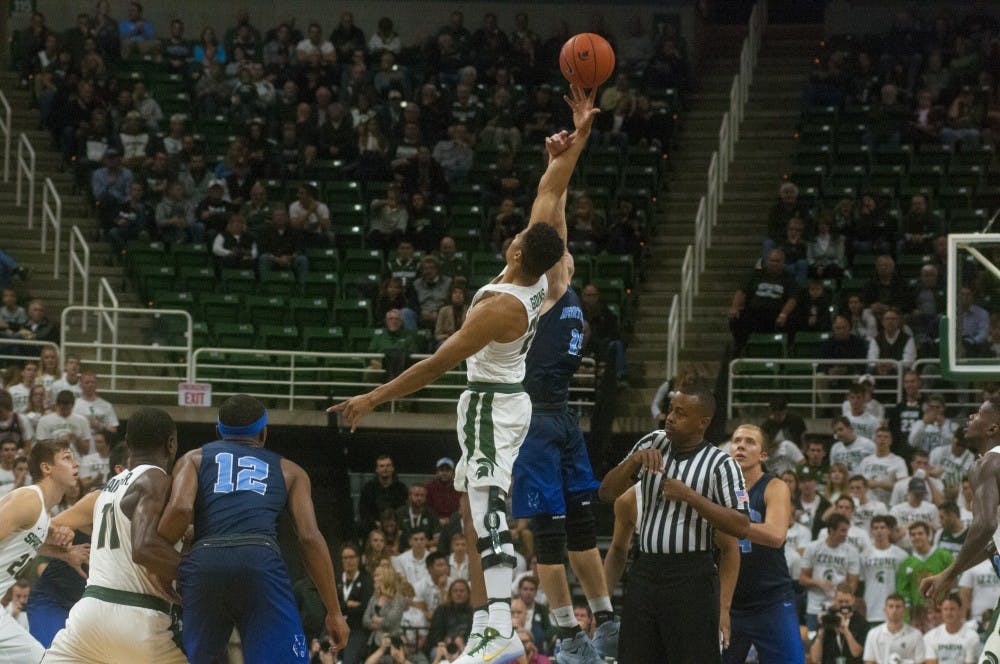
point(197, 279)
point(820, 115)
point(310, 311)
point(239, 281)
point(191, 255)
point(464, 217)
point(853, 155)
point(807, 344)
point(759, 379)
point(601, 156)
point(279, 337)
point(221, 308)
point(808, 176)
point(362, 260)
point(321, 284)
point(358, 339)
point(847, 177)
point(487, 263)
point(611, 267)
point(466, 194)
point(155, 278)
point(201, 337)
point(468, 240)
point(324, 339)
point(604, 176)
point(766, 346)
point(613, 291)
point(889, 156)
point(641, 177)
point(909, 265)
point(814, 155)
point(212, 368)
point(954, 197)
point(342, 191)
point(264, 309)
point(974, 157)
point(234, 335)
point(350, 236)
point(645, 156)
point(851, 133)
point(323, 260)
point(145, 253)
point(583, 269)
point(171, 299)
point(969, 221)
point(352, 313)
point(925, 176)
point(279, 283)
point(886, 177)
point(986, 197)
point(360, 284)
point(817, 134)
point(965, 176)
point(932, 154)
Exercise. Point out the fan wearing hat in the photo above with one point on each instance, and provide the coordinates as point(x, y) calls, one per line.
point(916, 509)
point(441, 494)
point(814, 506)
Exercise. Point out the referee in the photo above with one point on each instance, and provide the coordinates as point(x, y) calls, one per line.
point(689, 488)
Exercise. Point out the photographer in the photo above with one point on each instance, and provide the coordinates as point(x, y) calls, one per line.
point(841, 632)
point(391, 651)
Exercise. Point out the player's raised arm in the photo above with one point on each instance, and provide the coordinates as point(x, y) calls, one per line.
point(180, 508)
point(80, 516)
point(483, 325)
point(564, 152)
point(149, 549)
point(315, 552)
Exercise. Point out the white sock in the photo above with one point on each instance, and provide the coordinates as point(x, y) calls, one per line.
point(564, 616)
point(602, 603)
point(480, 619)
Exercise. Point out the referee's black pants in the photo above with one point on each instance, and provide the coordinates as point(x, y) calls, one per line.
point(671, 613)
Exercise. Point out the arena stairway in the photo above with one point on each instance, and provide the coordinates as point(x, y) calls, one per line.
point(762, 156)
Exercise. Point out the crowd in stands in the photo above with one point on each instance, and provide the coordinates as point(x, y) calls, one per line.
point(270, 143)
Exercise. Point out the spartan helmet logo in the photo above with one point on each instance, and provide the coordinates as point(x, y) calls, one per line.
point(990, 658)
point(583, 55)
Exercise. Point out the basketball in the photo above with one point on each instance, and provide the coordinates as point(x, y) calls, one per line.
point(587, 60)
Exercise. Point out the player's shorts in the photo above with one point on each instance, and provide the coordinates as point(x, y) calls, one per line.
point(773, 631)
point(240, 581)
point(16, 645)
point(991, 649)
point(551, 466)
point(493, 420)
point(116, 627)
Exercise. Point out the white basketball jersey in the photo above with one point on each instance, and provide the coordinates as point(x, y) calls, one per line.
point(17, 550)
point(504, 362)
point(111, 563)
point(996, 535)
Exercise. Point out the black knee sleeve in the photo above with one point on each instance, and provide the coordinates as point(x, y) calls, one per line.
point(550, 539)
point(581, 525)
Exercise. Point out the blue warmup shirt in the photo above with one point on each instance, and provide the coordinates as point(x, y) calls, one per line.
point(241, 491)
point(555, 352)
point(764, 578)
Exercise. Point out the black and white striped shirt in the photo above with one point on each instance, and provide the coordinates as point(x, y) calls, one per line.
point(675, 527)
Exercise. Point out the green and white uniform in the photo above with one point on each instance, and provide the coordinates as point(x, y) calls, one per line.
point(121, 618)
point(494, 412)
point(17, 646)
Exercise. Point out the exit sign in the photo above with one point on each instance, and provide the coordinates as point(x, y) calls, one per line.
point(194, 394)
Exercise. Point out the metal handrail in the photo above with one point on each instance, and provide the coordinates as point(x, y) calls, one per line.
point(687, 292)
point(673, 335)
point(52, 217)
point(76, 265)
point(5, 127)
point(26, 169)
point(107, 314)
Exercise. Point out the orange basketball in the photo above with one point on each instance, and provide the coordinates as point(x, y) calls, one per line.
point(587, 60)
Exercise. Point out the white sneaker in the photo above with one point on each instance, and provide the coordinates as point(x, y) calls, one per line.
point(493, 648)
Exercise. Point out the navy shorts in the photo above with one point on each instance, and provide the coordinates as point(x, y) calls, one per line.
point(552, 466)
point(773, 630)
point(246, 587)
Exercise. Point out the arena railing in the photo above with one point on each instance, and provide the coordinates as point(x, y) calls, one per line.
point(962, 394)
point(15, 351)
point(52, 216)
point(6, 127)
point(688, 286)
point(79, 266)
point(26, 171)
point(673, 335)
point(800, 383)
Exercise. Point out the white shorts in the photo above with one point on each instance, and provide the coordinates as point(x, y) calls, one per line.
point(493, 420)
point(101, 632)
point(17, 646)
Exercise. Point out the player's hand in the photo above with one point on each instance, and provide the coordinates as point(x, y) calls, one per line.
point(165, 588)
point(649, 459)
point(353, 409)
point(60, 536)
point(77, 557)
point(582, 105)
point(936, 586)
point(674, 489)
point(724, 629)
point(558, 143)
point(336, 625)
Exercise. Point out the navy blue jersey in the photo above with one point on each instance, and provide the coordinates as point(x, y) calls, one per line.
point(555, 353)
point(60, 584)
point(241, 491)
point(764, 577)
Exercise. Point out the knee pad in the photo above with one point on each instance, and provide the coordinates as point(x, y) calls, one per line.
point(489, 516)
point(581, 525)
point(550, 539)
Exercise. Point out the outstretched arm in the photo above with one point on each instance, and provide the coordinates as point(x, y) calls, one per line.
point(564, 151)
point(484, 324)
point(180, 508)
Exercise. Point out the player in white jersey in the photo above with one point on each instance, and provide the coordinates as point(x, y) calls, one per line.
point(494, 413)
point(24, 532)
point(982, 436)
point(125, 616)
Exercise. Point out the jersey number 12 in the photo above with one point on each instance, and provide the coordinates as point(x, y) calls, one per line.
point(252, 471)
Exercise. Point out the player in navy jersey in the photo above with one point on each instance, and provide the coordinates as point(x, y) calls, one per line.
point(553, 482)
point(234, 490)
point(61, 585)
point(763, 609)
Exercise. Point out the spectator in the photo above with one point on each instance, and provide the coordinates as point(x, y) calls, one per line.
point(507, 223)
point(924, 123)
point(137, 35)
point(783, 424)
point(214, 210)
point(94, 468)
point(964, 120)
point(866, 508)
point(862, 421)
point(380, 493)
point(421, 173)
point(15, 428)
point(430, 594)
point(925, 561)
point(411, 564)
point(312, 215)
point(38, 327)
point(845, 643)
point(796, 250)
point(454, 154)
point(450, 262)
point(811, 506)
point(813, 309)
point(196, 177)
point(928, 306)
point(384, 614)
point(70, 378)
point(919, 469)
point(933, 429)
point(979, 590)
point(281, 247)
point(827, 563)
point(883, 469)
point(453, 617)
point(458, 559)
point(887, 286)
point(850, 448)
point(892, 343)
point(9, 269)
point(394, 343)
point(764, 303)
point(99, 412)
point(909, 409)
point(416, 515)
point(21, 392)
point(392, 295)
point(389, 219)
point(605, 340)
point(874, 231)
point(385, 38)
point(586, 227)
point(234, 248)
point(861, 320)
point(537, 619)
point(974, 323)
point(389, 526)
point(177, 50)
point(625, 237)
point(432, 289)
point(12, 316)
point(36, 405)
point(134, 218)
point(258, 211)
point(857, 536)
point(375, 550)
point(953, 531)
point(175, 217)
point(110, 187)
point(787, 208)
point(894, 639)
point(885, 118)
point(952, 635)
point(312, 46)
point(355, 589)
point(442, 497)
point(63, 424)
point(451, 316)
point(918, 227)
point(426, 225)
point(347, 37)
